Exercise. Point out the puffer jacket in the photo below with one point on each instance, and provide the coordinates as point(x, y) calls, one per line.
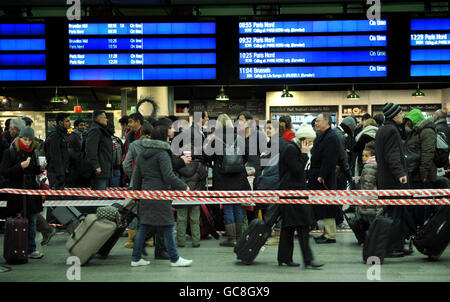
point(194, 175)
point(422, 138)
point(368, 181)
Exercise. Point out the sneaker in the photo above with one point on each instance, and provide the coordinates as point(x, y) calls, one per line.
point(141, 262)
point(47, 236)
point(181, 262)
point(35, 255)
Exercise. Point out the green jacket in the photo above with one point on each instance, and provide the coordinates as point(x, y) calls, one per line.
point(423, 138)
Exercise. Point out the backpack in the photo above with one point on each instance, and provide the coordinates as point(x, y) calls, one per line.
point(270, 176)
point(232, 161)
point(441, 154)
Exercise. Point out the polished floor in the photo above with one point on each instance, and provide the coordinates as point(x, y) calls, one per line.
point(213, 263)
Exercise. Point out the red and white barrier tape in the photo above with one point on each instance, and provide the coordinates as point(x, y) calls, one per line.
point(280, 197)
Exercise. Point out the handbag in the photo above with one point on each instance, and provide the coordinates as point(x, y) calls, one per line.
point(110, 213)
point(232, 161)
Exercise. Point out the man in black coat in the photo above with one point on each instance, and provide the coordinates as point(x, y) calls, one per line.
point(392, 171)
point(440, 120)
point(322, 174)
point(57, 153)
point(99, 150)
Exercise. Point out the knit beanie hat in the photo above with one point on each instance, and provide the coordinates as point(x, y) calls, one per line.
point(305, 132)
point(415, 116)
point(390, 110)
point(349, 122)
point(27, 132)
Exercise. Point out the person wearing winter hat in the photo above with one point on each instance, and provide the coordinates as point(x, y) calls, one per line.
point(296, 217)
point(392, 172)
point(421, 136)
point(20, 166)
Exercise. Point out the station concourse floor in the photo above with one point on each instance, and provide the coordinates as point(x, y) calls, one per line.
point(213, 263)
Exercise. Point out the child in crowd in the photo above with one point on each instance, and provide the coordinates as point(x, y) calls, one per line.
point(368, 181)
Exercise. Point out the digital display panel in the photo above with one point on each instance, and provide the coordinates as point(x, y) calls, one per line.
point(142, 51)
point(290, 50)
point(22, 52)
point(430, 47)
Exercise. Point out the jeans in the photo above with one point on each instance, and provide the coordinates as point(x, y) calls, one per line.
point(232, 213)
point(31, 234)
point(169, 241)
point(114, 181)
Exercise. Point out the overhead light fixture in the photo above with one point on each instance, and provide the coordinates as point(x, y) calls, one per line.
point(58, 99)
point(222, 96)
point(353, 95)
point(77, 108)
point(418, 92)
point(108, 105)
point(286, 93)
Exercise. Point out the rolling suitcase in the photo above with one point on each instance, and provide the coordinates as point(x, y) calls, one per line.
point(128, 214)
point(432, 239)
point(15, 244)
point(67, 216)
point(256, 235)
point(358, 227)
point(377, 238)
point(89, 237)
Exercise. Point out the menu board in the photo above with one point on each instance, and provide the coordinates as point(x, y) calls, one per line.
point(312, 49)
point(233, 107)
point(430, 47)
point(22, 52)
point(142, 51)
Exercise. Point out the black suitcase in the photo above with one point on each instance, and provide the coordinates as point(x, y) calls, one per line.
point(358, 227)
point(378, 238)
point(127, 216)
point(67, 216)
point(432, 239)
point(15, 243)
point(256, 235)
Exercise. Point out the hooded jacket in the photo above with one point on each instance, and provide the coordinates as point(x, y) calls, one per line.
point(153, 171)
point(366, 135)
point(415, 116)
point(422, 138)
point(369, 182)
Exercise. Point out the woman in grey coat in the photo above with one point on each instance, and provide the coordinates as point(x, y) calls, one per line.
point(153, 171)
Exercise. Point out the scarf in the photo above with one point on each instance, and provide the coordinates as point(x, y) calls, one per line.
point(22, 146)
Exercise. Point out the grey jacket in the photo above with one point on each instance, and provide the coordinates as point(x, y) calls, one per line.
point(134, 150)
point(153, 171)
point(369, 182)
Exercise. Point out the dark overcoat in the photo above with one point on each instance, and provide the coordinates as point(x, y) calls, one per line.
point(292, 177)
point(324, 158)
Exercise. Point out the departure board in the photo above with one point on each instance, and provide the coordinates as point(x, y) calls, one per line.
point(430, 47)
point(142, 51)
point(22, 52)
point(312, 49)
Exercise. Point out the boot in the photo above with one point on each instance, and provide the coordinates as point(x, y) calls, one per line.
point(130, 243)
point(47, 231)
point(231, 235)
point(238, 230)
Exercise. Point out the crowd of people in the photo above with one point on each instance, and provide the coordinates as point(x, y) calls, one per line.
point(367, 154)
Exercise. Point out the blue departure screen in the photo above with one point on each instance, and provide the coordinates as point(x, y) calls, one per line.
point(312, 72)
point(143, 74)
point(133, 57)
point(312, 57)
point(193, 28)
point(22, 58)
point(22, 29)
point(430, 47)
point(278, 49)
point(291, 27)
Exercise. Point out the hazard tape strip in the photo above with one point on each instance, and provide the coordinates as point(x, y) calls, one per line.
point(438, 196)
